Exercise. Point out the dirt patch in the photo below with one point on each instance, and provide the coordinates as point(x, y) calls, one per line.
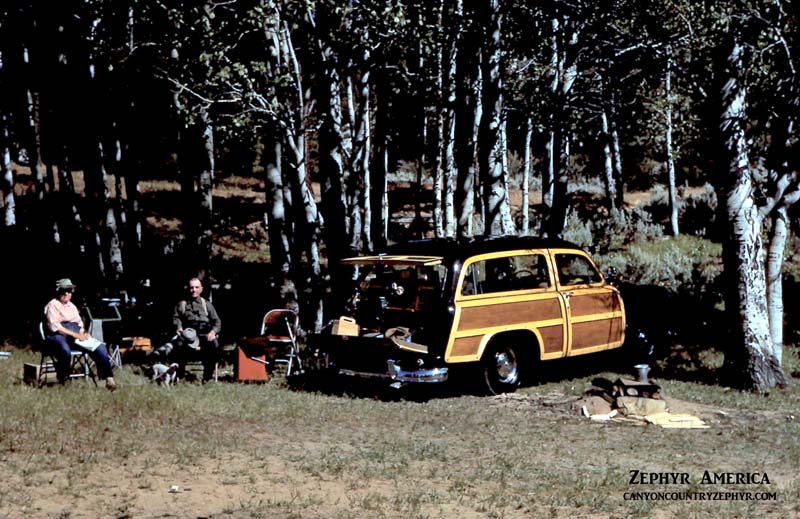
point(263, 482)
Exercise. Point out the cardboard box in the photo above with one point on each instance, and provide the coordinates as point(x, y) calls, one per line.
point(30, 373)
point(345, 326)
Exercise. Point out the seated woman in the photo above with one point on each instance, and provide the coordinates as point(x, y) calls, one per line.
point(63, 327)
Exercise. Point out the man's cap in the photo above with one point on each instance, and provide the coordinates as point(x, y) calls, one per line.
point(64, 284)
point(190, 338)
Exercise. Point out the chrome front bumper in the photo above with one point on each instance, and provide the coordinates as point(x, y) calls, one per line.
point(396, 374)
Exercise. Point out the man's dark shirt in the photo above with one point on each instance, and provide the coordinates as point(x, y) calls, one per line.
point(190, 313)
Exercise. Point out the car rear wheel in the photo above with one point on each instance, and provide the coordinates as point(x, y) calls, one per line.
point(501, 368)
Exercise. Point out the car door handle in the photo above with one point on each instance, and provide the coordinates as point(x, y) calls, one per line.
point(566, 295)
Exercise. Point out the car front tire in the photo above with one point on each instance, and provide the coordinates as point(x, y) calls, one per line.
point(500, 369)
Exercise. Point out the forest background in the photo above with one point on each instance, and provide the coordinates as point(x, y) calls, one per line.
point(261, 141)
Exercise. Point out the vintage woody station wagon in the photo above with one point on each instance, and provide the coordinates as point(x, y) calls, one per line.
point(489, 307)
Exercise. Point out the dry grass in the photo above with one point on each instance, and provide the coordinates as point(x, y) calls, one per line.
point(264, 451)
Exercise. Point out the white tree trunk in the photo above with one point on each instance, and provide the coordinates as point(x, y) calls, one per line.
point(491, 165)
point(34, 128)
point(297, 144)
point(205, 185)
point(556, 65)
point(467, 135)
point(563, 56)
point(9, 203)
point(436, 147)
point(526, 175)
point(380, 168)
point(752, 353)
point(672, 188)
point(362, 210)
point(777, 243)
point(506, 222)
point(616, 151)
point(276, 214)
point(451, 68)
point(608, 164)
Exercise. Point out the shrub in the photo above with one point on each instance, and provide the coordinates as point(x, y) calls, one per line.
point(578, 230)
point(623, 227)
point(683, 264)
point(698, 211)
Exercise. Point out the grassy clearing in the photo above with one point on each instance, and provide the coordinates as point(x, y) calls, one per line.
point(264, 451)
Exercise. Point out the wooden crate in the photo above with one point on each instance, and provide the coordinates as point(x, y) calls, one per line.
point(142, 344)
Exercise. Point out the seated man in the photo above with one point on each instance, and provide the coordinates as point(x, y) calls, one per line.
point(199, 314)
point(64, 330)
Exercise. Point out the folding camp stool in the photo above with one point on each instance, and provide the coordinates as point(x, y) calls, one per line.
point(80, 364)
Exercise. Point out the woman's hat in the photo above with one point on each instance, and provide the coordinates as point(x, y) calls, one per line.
point(64, 284)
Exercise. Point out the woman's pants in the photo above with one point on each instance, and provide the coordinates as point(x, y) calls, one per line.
point(61, 348)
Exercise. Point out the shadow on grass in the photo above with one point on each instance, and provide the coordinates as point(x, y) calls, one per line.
point(697, 364)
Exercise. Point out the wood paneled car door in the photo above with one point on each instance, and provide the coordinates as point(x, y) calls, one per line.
point(506, 291)
point(595, 315)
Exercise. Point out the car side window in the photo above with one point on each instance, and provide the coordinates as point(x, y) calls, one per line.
point(506, 274)
point(574, 269)
point(531, 272)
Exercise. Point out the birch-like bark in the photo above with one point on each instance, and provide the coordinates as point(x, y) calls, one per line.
point(752, 355)
point(95, 174)
point(276, 213)
point(779, 233)
point(490, 163)
point(362, 157)
point(437, 169)
point(130, 162)
point(380, 169)
point(783, 192)
point(506, 221)
point(113, 244)
point(672, 188)
point(7, 180)
point(34, 128)
point(564, 56)
point(304, 205)
point(450, 69)
point(470, 112)
point(526, 175)
point(69, 230)
point(608, 163)
point(477, 191)
point(9, 202)
point(418, 228)
point(616, 151)
point(205, 185)
point(549, 175)
point(331, 158)
point(355, 193)
point(133, 194)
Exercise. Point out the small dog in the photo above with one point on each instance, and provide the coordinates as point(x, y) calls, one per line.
point(163, 374)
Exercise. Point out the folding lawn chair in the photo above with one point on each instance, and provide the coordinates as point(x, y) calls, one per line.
point(81, 365)
point(279, 327)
